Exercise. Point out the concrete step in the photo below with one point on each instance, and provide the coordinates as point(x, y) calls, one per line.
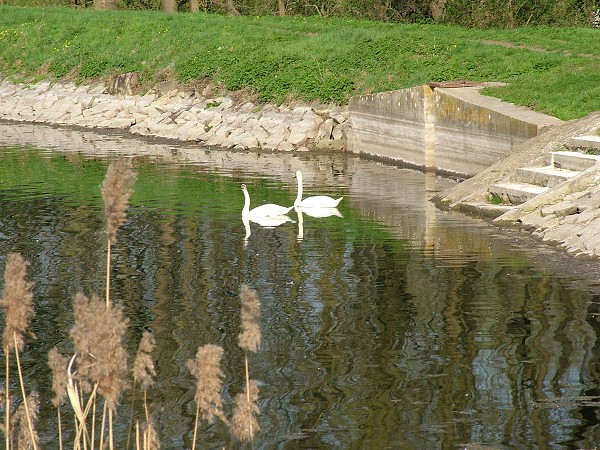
point(516, 193)
point(485, 209)
point(545, 176)
point(572, 160)
point(587, 142)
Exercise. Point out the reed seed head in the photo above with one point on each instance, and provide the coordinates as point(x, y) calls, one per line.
point(58, 365)
point(206, 368)
point(17, 302)
point(98, 336)
point(143, 365)
point(116, 189)
point(249, 337)
point(243, 421)
point(21, 436)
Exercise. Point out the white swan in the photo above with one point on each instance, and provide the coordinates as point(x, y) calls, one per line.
point(317, 201)
point(268, 210)
point(319, 212)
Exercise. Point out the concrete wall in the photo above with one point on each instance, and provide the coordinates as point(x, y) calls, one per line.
point(452, 130)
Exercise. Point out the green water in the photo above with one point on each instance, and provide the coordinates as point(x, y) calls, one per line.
point(393, 326)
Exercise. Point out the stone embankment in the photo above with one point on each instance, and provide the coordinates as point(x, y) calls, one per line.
point(168, 111)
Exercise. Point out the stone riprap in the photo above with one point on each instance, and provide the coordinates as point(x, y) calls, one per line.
point(177, 114)
point(568, 215)
point(573, 223)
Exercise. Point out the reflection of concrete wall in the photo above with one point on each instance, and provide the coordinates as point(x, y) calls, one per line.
point(455, 130)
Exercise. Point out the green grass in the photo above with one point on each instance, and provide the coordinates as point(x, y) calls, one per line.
point(553, 70)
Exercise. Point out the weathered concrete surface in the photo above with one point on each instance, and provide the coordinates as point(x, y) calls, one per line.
point(567, 215)
point(451, 130)
point(391, 125)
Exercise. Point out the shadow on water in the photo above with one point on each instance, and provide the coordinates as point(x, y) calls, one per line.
point(390, 324)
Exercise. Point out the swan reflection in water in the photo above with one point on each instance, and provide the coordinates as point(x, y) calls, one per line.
point(265, 222)
point(313, 212)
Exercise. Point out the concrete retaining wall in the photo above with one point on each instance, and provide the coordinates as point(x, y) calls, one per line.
point(452, 130)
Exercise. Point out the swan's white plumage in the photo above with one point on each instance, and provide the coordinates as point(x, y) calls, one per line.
point(318, 212)
point(267, 210)
point(316, 201)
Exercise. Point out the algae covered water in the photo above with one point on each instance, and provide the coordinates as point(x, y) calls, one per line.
point(389, 325)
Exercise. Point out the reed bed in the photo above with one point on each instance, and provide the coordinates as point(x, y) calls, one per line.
point(93, 371)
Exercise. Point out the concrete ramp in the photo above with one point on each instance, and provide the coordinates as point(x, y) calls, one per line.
point(452, 130)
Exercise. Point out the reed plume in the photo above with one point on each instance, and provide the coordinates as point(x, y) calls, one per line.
point(23, 423)
point(116, 189)
point(17, 303)
point(98, 336)
point(206, 368)
point(249, 340)
point(58, 366)
point(143, 365)
point(250, 335)
point(243, 421)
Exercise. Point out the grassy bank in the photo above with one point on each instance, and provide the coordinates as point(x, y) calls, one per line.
point(553, 70)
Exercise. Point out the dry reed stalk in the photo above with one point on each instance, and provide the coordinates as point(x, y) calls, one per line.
point(17, 303)
point(149, 435)
point(206, 368)
point(75, 395)
point(143, 373)
point(116, 190)
point(98, 337)
point(7, 400)
point(250, 335)
point(58, 366)
point(243, 421)
point(23, 423)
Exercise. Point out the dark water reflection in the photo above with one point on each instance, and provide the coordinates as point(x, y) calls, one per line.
point(394, 326)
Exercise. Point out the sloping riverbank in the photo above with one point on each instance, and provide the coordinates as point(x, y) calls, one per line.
point(570, 218)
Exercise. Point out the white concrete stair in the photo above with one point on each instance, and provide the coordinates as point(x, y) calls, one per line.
point(585, 142)
point(528, 182)
point(550, 176)
point(515, 192)
point(572, 160)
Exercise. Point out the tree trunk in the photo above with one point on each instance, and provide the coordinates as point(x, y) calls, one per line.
point(281, 8)
point(231, 8)
point(169, 6)
point(437, 8)
point(194, 7)
point(104, 4)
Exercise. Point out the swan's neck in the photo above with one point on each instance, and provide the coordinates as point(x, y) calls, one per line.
point(299, 196)
point(246, 208)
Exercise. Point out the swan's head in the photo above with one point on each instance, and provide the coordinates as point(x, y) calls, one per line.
point(298, 175)
point(244, 188)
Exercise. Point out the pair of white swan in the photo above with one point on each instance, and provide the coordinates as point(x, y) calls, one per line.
point(273, 210)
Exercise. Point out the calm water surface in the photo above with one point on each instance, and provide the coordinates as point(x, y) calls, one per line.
point(391, 325)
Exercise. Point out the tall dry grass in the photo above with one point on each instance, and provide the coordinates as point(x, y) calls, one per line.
point(95, 373)
point(17, 303)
